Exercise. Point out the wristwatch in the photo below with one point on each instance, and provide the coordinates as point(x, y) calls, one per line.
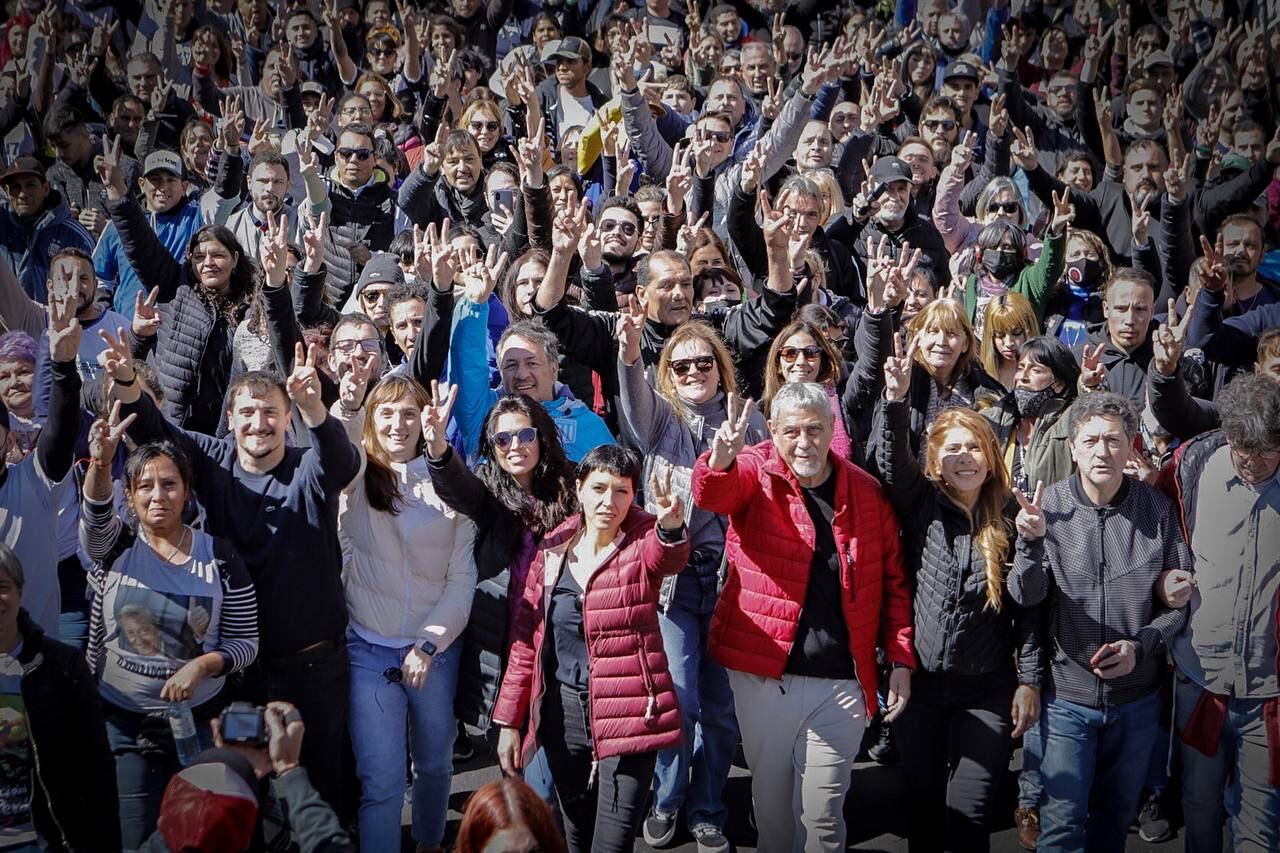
point(427, 647)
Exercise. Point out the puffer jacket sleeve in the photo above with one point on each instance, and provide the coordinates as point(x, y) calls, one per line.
point(448, 618)
point(726, 492)
point(662, 557)
point(897, 466)
point(516, 693)
point(1029, 581)
point(896, 624)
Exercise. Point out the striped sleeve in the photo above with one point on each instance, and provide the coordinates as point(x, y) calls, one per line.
point(238, 617)
point(100, 527)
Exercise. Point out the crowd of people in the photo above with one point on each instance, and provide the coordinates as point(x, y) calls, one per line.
point(621, 383)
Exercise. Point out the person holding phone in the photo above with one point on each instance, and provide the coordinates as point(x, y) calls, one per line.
point(1096, 547)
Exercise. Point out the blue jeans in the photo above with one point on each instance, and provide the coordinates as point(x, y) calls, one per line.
point(1030, 783)
point(1231, 787)
point(379, 713)
point(694, 773)
point(145, 761)
point(1095, 761)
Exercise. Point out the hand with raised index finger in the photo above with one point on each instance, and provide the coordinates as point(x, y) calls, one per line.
point(1030, 521)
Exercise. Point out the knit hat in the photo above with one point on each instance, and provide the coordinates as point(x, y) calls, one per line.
point(382, 268)
point(211, 805)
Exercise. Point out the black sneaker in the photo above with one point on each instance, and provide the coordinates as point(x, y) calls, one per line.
point(710, 839)
point(659, 829)
point(882, 750)
point(1153, 826)
point(463, 749)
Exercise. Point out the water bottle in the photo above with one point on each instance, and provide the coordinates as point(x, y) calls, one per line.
point(183, 726)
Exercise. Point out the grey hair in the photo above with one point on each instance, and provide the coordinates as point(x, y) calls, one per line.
point(12, 566)
point(1250, 407)
point(1102, 404)
point(800, 185)
point(997, 186)
point(801, 395)
point(536, 331)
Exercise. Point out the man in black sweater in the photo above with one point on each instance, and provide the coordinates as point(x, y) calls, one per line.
point(279, 506)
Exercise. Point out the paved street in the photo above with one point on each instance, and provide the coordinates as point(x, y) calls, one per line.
point(877, 810)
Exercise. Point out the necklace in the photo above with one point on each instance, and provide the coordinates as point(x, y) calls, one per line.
point(173, 549)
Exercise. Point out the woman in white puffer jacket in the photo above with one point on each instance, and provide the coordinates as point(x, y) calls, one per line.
point(409, 573)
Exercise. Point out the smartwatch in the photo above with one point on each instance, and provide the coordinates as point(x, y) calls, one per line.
point(427, 647)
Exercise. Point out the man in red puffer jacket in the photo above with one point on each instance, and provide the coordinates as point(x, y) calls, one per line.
point(816, 581)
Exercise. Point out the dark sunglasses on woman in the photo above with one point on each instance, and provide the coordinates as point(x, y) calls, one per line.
point(502, 440)
point(682, 366)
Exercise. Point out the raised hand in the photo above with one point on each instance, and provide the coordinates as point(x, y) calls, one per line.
point(627, 170)
point(313, 240)
point(1168, 341)
point(630, 325)
point(303, 384)
point(160, 95)
point(1177, 179)
point(480, 278)
point(609, 137)
point(288, 67)
point(1215, 274)
point(64, 329)
point(568, 229)
point(1208, 131)
point(435, 418)
point(273, 251)
point(353, 382)
point(231, 127)
point(752, 170)
point(105, 435)
point(897, 369)
point(688, 233)
point(669, 504)
point(107, 165)
point(321, 118)
point(1063, 213)
point(115, 359)
point(888, 277)
point(962, 153)
point(998, 123)
point(1023, 151)
point(775, 224)
point(1030, 522)
point(823, 65)
point(1092, 370)
point(1141, 225)
point(530, 155)
point(433, 154)
point(730, 438)
point(771, 104)
point(679, 178)
point(590, 249)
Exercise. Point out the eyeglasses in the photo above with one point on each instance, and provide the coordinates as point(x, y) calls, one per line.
point(357, 154)
point(810, 353)
point(795, 56)
point(716, 135)
point(1004, 207)
point(393, 675)
point(357, 111)
point(608, 226)
point(478, 126)
point(381, 51)
point(503, 440)
point(682, 366)
point(347, 347)
point(944, 124)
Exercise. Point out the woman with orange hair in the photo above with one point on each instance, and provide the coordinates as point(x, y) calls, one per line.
point(978, 678)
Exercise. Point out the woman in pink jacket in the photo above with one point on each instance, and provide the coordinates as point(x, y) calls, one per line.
point(587, 678)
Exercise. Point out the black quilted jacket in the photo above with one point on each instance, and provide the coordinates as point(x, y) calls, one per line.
point(955, 631)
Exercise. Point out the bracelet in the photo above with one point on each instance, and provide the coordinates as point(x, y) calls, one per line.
point(124, 384)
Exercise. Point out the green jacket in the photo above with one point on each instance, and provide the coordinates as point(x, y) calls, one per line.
point(1047, 456)
point(1036, 282)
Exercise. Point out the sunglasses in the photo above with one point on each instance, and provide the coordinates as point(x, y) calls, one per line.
point(503, 440)
point(347, 347)
point(1004, 207)
point(483, 125)
point(357, 154)
point(810, 353)
point(682, 366)
point(943, 124)
point(608, 226)
point(381, 51)
point(716, 135)
point(794, 57)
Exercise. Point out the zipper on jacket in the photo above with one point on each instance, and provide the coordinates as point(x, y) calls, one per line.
point(1102, 591)
point(35, 760)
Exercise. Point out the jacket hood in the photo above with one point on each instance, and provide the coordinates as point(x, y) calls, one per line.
point(56, 212)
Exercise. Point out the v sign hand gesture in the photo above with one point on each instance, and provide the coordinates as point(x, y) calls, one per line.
point(731, 437)
point(303, 385)
point(352, 385)
point(669, 504)
point(1169, 339)
point(435, 418)
point(897, 370)
point(105, 435)
point(1030, 521)
point(274, 250)
point(1092, 370)
point(107, 165)
point(1063, 213)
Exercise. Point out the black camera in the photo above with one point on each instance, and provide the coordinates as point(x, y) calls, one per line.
point(244, 724)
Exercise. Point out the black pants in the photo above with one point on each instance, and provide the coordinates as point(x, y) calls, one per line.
point(317, 684)
point(600, 815)
point(954, 741)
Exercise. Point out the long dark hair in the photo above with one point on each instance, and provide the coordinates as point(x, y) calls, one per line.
point(550, 499)
point(245, 275)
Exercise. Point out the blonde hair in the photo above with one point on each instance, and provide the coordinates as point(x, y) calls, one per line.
point(945, 315)
point(695, 330)
point(831, 199)
point(989, 525)
point(1006, 313)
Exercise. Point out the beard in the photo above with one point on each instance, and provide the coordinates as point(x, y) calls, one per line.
point(616, 257)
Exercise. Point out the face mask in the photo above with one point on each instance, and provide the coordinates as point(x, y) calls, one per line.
point(1001, 263)
point(1031, 403)
point(1083, 274)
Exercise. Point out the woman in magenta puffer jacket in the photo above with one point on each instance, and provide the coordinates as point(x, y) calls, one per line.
point(587, 677)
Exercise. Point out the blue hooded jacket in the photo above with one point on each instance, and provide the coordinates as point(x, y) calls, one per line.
point(28, 246)
point(175, 228)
